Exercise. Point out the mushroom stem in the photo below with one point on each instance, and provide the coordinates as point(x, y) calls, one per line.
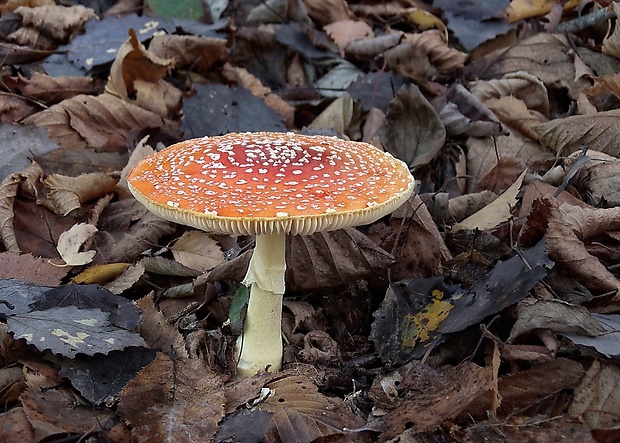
point(259, 347)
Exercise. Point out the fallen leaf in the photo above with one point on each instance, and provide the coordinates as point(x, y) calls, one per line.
point(70, 242)
point(68, 331)
point(178, 400)
point(495, 213)
point(597, 395)
point(607, 343)
point(412, 132)
point(197, 250)
point(344, 31)
point(69, 193)
point(29, 268)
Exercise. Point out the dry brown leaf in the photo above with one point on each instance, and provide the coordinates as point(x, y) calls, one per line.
point(141, 150)
point(415, 241)
point(611, 43)
point(522, 85)
point(9, 188)
point(102, 122)
point(597, 398)
point(495, 213)
point(327, 11)
point(197, 52)
point(126, 230)
point(513, 112)
point(373, 46)
point(337, 116)
point(599, 132)
point(157, 332)
point(127, 279)
point(14, 108)
point(568, 228)
point(69, 193)
point(343, 32)
point(598, 180)
point(178, 400)
point(254, 85)
point(412, 132)
point(55, 411)
point(136, 76)
point(461, 207)
point(11, 5)
point(543, 55)
point(504, 174)
point(331, 259)
point(55, 21)
point(197, 250)
point(32, 269)
point(429, 397)
point(483, 153)
point(52, 90)
point(302, 414)
point(17, 426)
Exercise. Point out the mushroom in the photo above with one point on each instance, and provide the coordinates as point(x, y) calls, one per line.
point(269, 185)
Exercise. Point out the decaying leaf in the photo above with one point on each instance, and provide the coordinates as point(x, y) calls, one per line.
point(329, 259)
point(566, 135)
point(198, 52)
point(71, 241)
point(597, 395)
point(136, 76)
point(197, 250)
point(608, 343)
point(568, 227)
point(178, 400)
point(413, 132)
point(68, 331)
point(495, 213)
point(56, 21)
point(69, 193)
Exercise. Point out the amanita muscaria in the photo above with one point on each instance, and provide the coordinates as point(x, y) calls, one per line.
point(269, 185)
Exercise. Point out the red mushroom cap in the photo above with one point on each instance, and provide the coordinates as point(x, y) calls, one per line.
point(256, 183)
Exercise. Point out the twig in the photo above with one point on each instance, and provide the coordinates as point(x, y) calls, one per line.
point(586, 21)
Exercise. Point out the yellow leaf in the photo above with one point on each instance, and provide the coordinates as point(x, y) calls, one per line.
point(101, 274)
point(522, 9)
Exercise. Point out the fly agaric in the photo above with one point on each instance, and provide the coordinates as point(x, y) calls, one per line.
point(269, 185)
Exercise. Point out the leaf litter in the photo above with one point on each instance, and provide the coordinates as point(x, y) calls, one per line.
point(486, 306)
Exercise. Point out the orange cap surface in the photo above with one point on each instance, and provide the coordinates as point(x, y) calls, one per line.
point(255, 183)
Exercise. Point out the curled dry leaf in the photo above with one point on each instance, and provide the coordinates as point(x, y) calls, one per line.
point(337, 116)
point(611, 43)
point(599, 179)
point(197, 52)
point(568, 227)
point(69, 193)
point(141, 150)
point(373, 46)
point(545, 56)
point(513, 112)
point(50, 89)
point(503, 175)
point(137, 75)
point(495, 213)
point(461, 112)
point(9, 188)
point(522, 85)
point(55, 21)
point(70, 242)
point(424, 56)
point(599, 132)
